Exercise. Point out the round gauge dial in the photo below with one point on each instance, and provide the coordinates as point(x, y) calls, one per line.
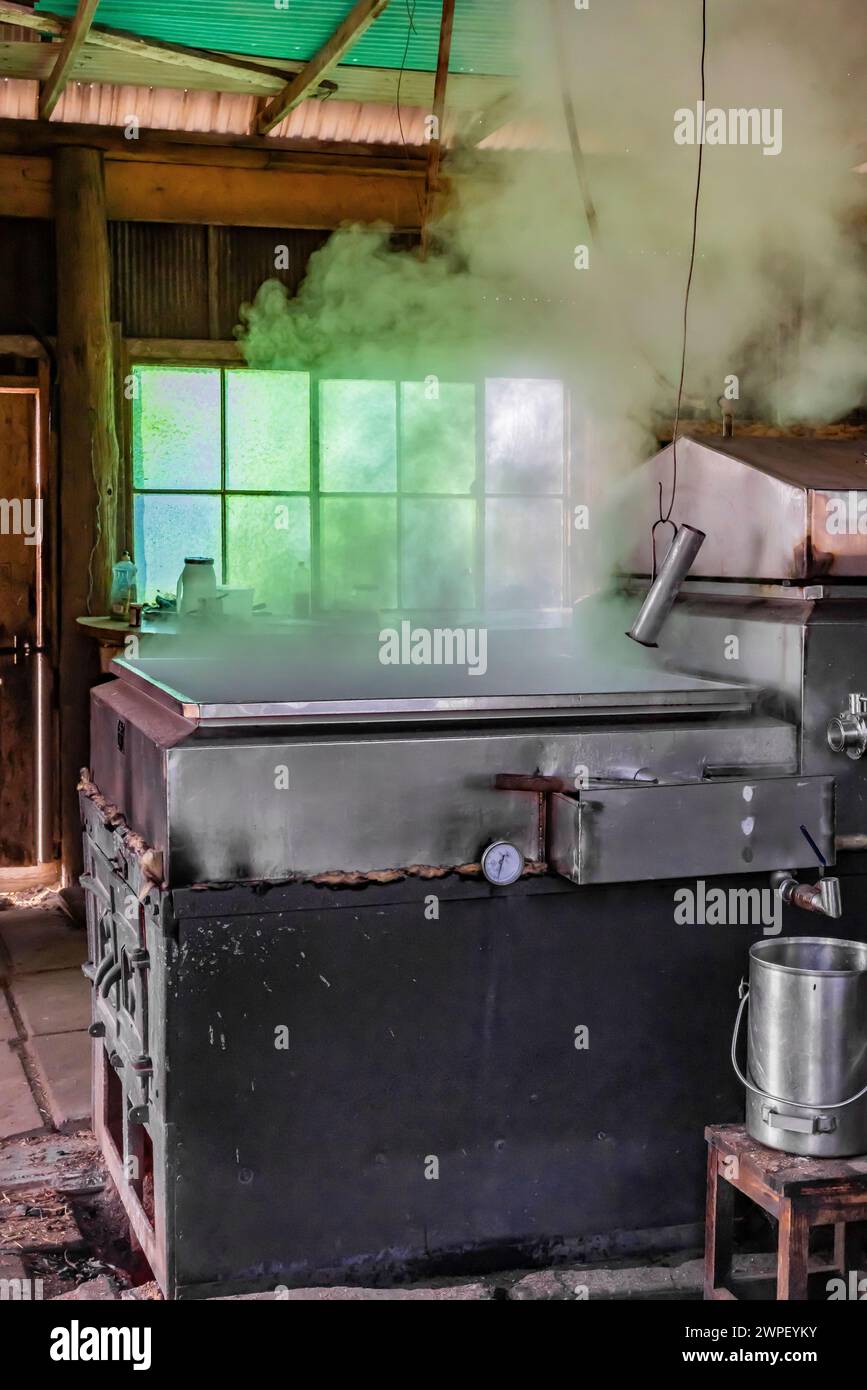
point(502, 863)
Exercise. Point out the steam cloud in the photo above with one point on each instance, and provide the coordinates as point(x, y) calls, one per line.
point(779, 296)
point(780, 292)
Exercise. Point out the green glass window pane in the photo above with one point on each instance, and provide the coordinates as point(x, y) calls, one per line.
point(176, 427)
point(167, 530)
point(523, 552)
point(268, 549)
point(268, 430)
point(358, 545)
point(357, 436)
point(437, 552)
point(524, 436)
point(437, 437)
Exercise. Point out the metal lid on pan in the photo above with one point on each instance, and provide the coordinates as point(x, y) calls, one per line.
point(214, 693)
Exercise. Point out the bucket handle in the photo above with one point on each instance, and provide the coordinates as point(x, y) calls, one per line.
point(744, 994)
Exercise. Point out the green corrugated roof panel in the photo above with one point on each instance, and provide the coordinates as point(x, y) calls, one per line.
point(481, 43)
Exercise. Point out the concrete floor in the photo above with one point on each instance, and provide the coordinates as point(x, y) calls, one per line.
point(44, 1015)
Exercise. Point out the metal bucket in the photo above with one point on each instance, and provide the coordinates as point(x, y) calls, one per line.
point(807, 1046)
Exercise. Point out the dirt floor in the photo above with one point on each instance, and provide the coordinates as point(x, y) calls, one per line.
point(62, 1225)
point(61, 1220)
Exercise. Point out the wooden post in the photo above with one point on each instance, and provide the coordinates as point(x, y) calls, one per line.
point(719, 1227)
point(792, 1252)
point(439, 110)
point(849, 1249)
point(88, 457)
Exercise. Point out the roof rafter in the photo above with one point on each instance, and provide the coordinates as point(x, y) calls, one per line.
point(73, 42)
point(347, 33)
point(262, 78)
point(480, 124)
point(439, 110)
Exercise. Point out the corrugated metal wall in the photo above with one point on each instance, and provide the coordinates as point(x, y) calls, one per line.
point(167, 280)
point(245, 256)
point(159, 279)
point(164, 277)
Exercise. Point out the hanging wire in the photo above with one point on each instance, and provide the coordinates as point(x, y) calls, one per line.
point(98, 534)
point(410, 30)
point(666, 516)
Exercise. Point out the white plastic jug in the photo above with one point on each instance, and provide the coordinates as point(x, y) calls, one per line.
point(197, 581)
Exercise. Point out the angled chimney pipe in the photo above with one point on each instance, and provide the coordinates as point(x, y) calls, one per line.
point(665, 587)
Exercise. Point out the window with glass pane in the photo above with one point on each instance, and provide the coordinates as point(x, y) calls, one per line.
point(176, 428)
point(437, 437)
point(333, 494)
point(267, 431)
point(524, 436)
point(357, 436)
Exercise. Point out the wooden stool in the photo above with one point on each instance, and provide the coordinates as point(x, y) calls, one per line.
point(799, 1192)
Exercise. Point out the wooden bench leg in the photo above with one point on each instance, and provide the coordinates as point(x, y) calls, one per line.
point(719, 1227)
point(792, 1253)
point(849, 1245)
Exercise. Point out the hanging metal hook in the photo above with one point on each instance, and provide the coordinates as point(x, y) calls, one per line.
point(662, 521)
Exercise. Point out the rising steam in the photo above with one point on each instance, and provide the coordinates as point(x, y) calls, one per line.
point(780, 293)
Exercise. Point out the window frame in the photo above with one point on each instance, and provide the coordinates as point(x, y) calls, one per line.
point(225, 356)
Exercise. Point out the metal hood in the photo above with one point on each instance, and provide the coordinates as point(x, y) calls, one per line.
point(772, 509)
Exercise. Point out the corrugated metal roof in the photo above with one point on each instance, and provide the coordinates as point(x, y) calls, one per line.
point(481, 43)
point(225, 113)
point(34, 62)
point(19, 100)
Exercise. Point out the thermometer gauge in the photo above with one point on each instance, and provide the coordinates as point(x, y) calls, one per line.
point(502, 863)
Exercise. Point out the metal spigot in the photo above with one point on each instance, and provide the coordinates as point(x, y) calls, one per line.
point(847, 732)
point(823, 897)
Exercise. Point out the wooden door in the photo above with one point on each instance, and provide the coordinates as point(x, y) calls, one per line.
point(26, 837)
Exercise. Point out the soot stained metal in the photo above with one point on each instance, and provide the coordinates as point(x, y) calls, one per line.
point(428, 1011)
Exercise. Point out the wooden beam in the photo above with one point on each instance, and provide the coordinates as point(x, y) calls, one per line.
point(259, 106)
point(261, 78)
point(439, 107)
point(25, 18)
point(572, 123)
point(347, 33)
point(73, 42)
point(196, 147)
point(125, 64)
point(182, 350)
point(25, 186)
point(89, 464)
point(139, 191)
point(20, 345)
point(483, 123)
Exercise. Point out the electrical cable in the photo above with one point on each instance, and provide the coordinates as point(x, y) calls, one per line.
point(410, 30)
point(96, 543)
point(666, 517)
